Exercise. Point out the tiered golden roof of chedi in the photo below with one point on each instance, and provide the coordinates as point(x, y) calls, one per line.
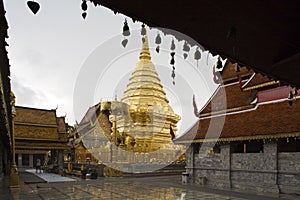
point(149, 110)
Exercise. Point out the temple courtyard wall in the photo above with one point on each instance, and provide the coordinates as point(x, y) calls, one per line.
point(267, 172)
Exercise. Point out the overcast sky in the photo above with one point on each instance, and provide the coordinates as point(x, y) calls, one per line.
point(56, 52)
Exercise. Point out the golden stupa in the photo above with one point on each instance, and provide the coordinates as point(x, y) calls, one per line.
point(139, 127)
point(150, 118)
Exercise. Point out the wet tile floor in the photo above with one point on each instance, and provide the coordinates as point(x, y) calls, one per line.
point(120, 188)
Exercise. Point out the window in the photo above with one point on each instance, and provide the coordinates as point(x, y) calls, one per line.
point(236, 147)
point(254, 146)
point(288, 145)
point(217, 148)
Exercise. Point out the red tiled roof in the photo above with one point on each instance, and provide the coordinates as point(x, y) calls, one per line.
point(35, 116)
point(234, 98)
point(258, 81)
point(266, 121)
point(229, 72)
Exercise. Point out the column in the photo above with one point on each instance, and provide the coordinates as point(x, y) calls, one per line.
point(19, 160)
point(31, 160)
point(226, 154)
point(60, 161)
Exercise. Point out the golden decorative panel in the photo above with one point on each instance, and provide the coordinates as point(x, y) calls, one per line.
point(23, 131)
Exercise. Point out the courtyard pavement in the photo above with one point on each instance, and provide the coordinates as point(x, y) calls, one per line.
point(163, 187)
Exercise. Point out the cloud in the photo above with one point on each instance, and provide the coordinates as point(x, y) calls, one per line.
point(25, 95)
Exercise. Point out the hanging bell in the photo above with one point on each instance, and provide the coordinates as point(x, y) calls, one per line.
point(173, 74)
point(124, 42)
point(143, 30)
point(84, 5)
point(219, 64)
point(197, 55)
point(157, 49)
point(290, 95)
point(33, 6)
point(84, 15)
point(126, 31)
point(172, 62)
point(158, 42)
point(186, 47)
point(173, 45)
point(158, 39)
point(185, 55)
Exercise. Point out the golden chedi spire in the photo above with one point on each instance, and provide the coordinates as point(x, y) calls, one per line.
point(145, 53)
point(149, 107)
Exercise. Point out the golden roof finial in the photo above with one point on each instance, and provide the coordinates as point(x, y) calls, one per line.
point(145, 53)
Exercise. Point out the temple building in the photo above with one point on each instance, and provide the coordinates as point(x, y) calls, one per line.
point(39, 133)
point(248, 135)
point(137, 129)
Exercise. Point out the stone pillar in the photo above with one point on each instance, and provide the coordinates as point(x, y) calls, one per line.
point(60, 161)
point(226, 157)
point(271, 155)
point(31, 160)
point(19, 160)
point(270, 150)
point(190, 158)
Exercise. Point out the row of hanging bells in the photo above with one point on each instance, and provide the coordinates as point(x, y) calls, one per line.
point(158, 40)
point(84, 9)
point(172, 61)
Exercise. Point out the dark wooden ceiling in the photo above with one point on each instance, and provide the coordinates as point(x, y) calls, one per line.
point(261, 34)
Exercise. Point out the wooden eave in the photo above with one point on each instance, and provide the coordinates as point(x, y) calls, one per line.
point(242, 138)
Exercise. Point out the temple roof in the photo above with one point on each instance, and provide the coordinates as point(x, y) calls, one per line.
point(62, 126)
point(230, 72)
point(35, 116)
point(90, 115)
point(39, 126)
point(235, 98)
point(258, 81)
point(265, 121)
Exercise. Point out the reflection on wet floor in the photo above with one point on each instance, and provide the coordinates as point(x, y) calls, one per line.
point(114, 188)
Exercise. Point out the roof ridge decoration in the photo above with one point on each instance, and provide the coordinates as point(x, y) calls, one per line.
point(258, 80)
